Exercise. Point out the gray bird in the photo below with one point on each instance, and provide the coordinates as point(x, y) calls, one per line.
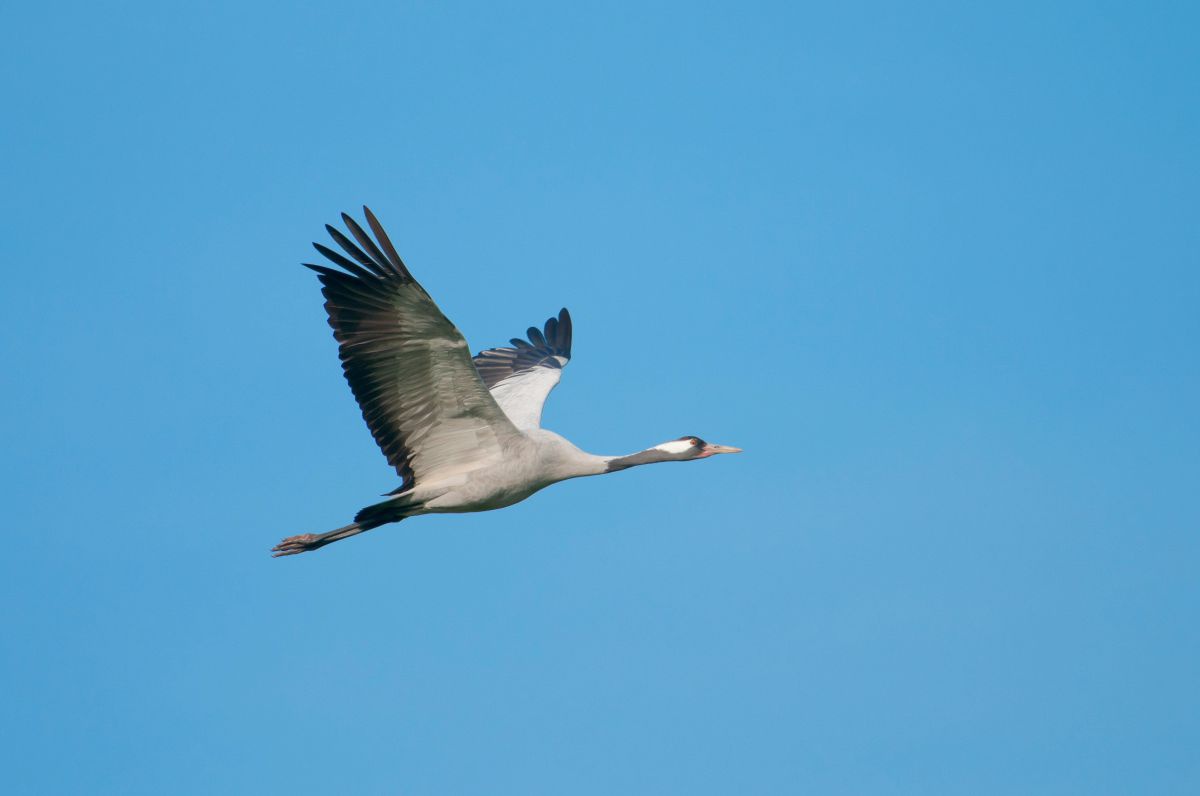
point(464, 433)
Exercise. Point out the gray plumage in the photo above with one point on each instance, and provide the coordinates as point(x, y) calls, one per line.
point(463, 433)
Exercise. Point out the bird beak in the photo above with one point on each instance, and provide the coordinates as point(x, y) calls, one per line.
point(710, 449)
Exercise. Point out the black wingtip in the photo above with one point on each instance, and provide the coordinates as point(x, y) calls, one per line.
point(564, 330)
point(385, 243)
point(337, 259)
point(323, 270)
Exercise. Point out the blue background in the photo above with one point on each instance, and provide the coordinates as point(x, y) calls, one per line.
point(935, 268)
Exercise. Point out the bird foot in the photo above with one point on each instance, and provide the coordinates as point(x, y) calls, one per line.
point(295, 544)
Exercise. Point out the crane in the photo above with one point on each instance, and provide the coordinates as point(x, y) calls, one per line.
point(463, 433)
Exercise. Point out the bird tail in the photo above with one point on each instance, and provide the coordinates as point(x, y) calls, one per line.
point(393, 509)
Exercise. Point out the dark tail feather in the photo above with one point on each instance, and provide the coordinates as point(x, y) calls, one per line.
point(393, 509)
point(311, 541)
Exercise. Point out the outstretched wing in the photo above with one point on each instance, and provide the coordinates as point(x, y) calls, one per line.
point(408, 366)
point(521, 377)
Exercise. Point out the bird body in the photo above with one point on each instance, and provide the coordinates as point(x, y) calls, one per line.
point(463, 433)
point(529, 462)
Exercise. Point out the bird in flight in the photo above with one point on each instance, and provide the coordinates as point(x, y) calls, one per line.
point(464, 433)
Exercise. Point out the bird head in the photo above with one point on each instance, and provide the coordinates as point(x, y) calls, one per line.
point(687, 448)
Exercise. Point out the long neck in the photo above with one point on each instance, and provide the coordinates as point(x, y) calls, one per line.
point(573, 463)
point(648, 456)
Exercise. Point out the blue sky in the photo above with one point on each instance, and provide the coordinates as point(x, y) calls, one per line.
point(934, 267)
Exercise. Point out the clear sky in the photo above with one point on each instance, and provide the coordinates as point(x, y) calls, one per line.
point(935, 266)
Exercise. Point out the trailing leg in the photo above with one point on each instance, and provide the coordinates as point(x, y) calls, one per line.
point(311, 541)
point(393, 509)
